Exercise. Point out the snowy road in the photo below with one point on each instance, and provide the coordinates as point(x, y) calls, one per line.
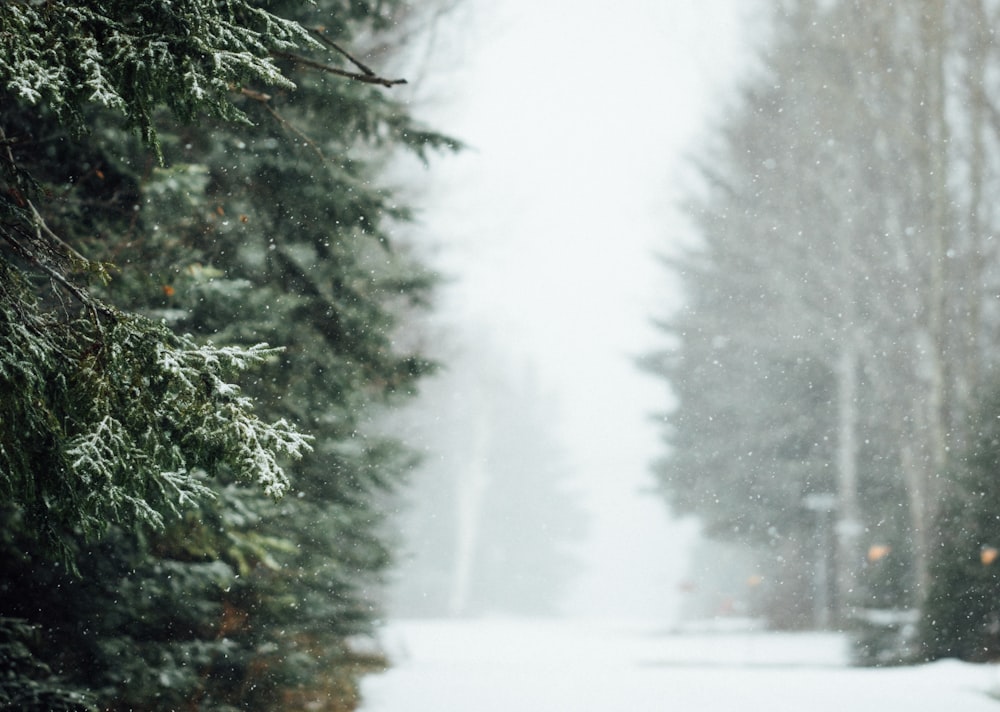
point(531, 666)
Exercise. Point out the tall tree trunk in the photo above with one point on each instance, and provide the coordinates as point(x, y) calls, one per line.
point(969, 317)
point(471, 493)
point(923, 473)
point(849, 525)
point(939, 231)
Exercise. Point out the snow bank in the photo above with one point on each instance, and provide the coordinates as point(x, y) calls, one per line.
point(503, 665)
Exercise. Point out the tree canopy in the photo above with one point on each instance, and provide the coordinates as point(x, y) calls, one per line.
point(134, 57)
point(116, 417)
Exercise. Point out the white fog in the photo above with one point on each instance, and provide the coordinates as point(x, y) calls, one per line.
point(549, 229)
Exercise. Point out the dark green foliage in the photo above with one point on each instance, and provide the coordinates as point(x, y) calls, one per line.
point(191, 618)
point(26, 684)
point(118, 420)
point(962, 614)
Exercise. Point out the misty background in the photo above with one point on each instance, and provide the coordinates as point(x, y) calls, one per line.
point(535, 494)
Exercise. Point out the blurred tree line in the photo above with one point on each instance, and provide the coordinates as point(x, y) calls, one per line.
point(200, 298)
point(489, 522)
point(838, 348)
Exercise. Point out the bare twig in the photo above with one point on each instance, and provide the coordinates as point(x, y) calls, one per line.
point(49, 244)
point(255, 95)
point(291, 127)
point(41, 228)
point(265, 101)
point(318, 31)
point(81, 295)
point(368, 77)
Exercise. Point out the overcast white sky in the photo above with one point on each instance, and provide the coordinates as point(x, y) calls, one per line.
point(578, 114)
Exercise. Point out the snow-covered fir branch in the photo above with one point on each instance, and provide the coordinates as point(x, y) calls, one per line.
point(132, 56)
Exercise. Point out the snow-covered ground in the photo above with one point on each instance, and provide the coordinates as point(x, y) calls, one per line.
point(573, 666)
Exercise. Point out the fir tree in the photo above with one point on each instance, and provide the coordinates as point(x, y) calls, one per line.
point(962, 615)
point(108, 417)
point(223, 236)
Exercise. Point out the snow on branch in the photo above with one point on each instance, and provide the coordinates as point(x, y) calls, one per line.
point(123, 422)
point(133, 57)
point(254, 447)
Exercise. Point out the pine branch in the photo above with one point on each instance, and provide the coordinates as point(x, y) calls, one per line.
point(50, 242)
point(44, 233)
point(53, 273)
